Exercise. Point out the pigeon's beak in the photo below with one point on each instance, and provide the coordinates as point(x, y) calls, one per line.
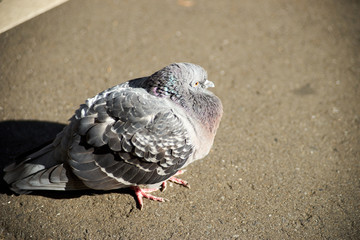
point(209, 84)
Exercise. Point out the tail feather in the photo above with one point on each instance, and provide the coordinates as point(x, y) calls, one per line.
point(41, 170)
point(33, 163)
point(16, 172)
point(45, 179)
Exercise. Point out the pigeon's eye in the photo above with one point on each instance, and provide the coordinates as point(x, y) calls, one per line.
point(196, 84)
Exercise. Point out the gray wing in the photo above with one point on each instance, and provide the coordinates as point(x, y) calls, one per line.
point(128, 138)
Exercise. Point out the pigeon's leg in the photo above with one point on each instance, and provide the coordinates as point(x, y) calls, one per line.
point(176, 180)
point(143, 193)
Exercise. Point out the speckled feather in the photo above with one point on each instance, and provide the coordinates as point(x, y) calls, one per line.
point(140, 132)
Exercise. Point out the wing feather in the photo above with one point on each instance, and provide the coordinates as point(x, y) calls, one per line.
point(128, 138)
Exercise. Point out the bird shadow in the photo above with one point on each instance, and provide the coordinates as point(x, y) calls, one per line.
point(18, 138)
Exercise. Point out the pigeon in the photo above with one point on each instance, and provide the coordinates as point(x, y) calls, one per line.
point(138, 135)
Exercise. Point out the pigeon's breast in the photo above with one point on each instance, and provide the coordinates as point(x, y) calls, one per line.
point(200, 138)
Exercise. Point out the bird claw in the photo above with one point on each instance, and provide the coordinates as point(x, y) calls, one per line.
point(143, 193)
point(175, 180)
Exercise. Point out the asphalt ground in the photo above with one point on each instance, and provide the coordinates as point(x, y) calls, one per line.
point(285, 162)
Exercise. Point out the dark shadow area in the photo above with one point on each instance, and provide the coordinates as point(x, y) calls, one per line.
point(77, 193)
point(19, 138)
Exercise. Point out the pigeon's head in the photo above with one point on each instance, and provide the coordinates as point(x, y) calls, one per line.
point(177, 81)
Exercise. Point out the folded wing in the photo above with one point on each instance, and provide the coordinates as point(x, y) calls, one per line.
point(126, 139)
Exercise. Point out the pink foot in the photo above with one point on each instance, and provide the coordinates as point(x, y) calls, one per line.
point(176, 180)
point(143, 193)
point(179, 181)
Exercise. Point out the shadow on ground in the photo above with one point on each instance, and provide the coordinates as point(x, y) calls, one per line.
point(19, 138)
